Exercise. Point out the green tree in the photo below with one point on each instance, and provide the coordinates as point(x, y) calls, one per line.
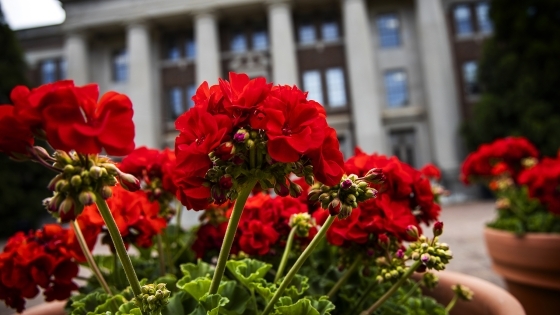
point(520, 75)
point(22, 185)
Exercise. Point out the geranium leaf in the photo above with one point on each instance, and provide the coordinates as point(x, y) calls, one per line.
point(210, 304)
point(264, 289)
point(237, 295)
point(95, 303)
point(301, 307)
point(248, 271)
point(297, 287)
point(197, 288)
point(201, 269)
point(129, 308)
point(323, 305)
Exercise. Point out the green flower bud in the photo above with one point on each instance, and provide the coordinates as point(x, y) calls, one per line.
point(76, 181)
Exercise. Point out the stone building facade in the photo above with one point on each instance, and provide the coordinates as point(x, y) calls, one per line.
point(395, 77)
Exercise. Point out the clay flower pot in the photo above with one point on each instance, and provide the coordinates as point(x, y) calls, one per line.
point(52, 308)
point(530, 266)
point(488, 299)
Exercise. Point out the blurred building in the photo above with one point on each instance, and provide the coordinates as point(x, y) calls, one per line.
point(395, 76)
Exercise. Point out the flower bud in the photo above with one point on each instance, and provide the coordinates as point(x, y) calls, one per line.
point(335, 206)
point(425, 258)
point(225, 182)
point(374, 176)
point(371, 193)
point(66, 205)
point(218, 195)
point(76, 181)
point(281, 189)
point(309, 179)
point(111, 168)
point(438, 228)
point(95, 172)
point(42, 153)
point(225, 151)
point(313, 195)
point(61, 185)
point(383, 240)
point(399, 254)
point(295, 190)
point(412, 231)
point(241, 135)
point(345, 184)
point(62, 157)
point(345, 212)
point(52, 184)
point(87, 198)
point(106, 192)
point(52, 204)
point(462, 292)
point(129, 182)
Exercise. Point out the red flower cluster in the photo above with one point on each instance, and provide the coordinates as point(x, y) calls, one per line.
point(506, 154)
point(153, 166)
point(263, 227)
point(136, 216)
point(431, 171)
point(543, 181)
point(406, 198)
point(232, 120)
point(42, 258)
point(70, 117)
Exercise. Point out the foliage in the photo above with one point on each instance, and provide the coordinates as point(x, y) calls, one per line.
point(519, 76)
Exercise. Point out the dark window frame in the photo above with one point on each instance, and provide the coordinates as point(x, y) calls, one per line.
point(399, 40)
point(406, 87)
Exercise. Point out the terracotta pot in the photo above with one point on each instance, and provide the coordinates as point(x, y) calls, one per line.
point(52, 308)
point(530, 266)
point(488, 298)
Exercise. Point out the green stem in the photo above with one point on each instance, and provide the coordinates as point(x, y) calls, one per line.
point(179, 212)
point(161, 255)
point(363, 298)
point(118, 244)
point(451, 304)
point(410, 292)
point(244, 193)
point(392, 290)
point(89, 258)
point(295, 268)
point(286, 255)
point(344, 277)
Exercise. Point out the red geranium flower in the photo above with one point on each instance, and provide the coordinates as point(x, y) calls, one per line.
point(431, 171)
point(543, 182)
point(327, 160)
point(15, 137)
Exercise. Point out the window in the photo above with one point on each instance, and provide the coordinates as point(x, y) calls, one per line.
point(173, 51)
point(336, 89)
point(191, 90)
point(238, 42)
point(462, 16)
point(307, 33)
point(190, 48)
point(260, 40)
point(63, 66)
point(470, 77)
point(120, 66)
point(329, 31)
point(402, 145)
point(396, 87)
point(175, 102)
point(312, 84)
point(484, 23)
point(389, 33)
point(48, 71)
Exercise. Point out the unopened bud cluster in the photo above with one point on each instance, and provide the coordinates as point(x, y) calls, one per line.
point(390, 270)
point(462, 292)
point(153, 299)
point(430, 280)
point(342, 198)
point(432, 254)
point(246, 156)
point(303, 222)
point(81, 180)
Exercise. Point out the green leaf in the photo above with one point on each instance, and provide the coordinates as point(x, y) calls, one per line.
point(265, 289)
point(129, 308)
point(237, 295)
point(210, 304)
point(180, 303)
point(248, 270)
point(323, 305)
point(297, 287)
point(197, 288)
point(201, 269)
point(95, 303)
point(301, 307)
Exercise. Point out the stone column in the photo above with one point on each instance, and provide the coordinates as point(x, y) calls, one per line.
point(439, 82)
point(77, 61)
point(207, 48)
point(363, 77)
point(283, 47)
point(141, 90)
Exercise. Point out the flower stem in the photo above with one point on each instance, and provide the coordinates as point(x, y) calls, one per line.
point(161, 255)
point(244, 193)
point(295, 268)
point(89, 258)
point(118, 244)
point(392, 290)
point(344, 277)
point(451, 304)
point(410, 292)
point(286, 255)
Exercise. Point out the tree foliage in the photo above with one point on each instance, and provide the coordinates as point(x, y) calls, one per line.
point(520, 76)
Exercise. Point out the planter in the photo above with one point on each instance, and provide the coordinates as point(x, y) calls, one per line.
point(530, 266)
point(488, 299)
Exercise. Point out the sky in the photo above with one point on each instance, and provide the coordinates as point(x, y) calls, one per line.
point(22, 14)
